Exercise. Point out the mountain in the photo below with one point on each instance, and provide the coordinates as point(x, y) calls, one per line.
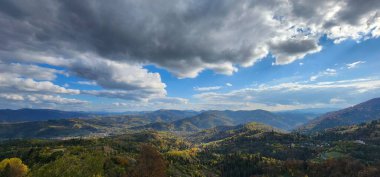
point(166, 115)
point(210, 119)
point(223, 132)
point(26, 115)
point(363, 112)
point(60, 126)
point(46, 129)
point(69, 128)
point(297, 118)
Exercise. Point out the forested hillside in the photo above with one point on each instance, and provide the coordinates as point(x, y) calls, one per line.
point(211, 119)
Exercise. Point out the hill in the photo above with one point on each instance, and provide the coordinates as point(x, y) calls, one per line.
point(366, 132)
point(210, 119)
point(166, 115)
point(46, 129)
point(363, 112)
point(224, 132)
point(70, 128)
point(29, 115)
point(26, 115)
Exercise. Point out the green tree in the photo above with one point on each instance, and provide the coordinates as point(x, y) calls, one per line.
point(83, 165)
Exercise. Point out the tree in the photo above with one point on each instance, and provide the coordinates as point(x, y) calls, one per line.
point(13, 167)
point(149, 163)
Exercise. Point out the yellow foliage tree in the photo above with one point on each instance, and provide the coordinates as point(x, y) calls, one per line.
point(13, 167)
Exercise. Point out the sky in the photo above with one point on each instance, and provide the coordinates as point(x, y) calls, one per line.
point(134, 55)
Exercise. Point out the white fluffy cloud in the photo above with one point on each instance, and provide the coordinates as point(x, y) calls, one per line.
point(46, 99)
point(29, 85)
point(31, 100)
point(12, 97)
point(28, 70)
point(8, 83)
point(115, 75)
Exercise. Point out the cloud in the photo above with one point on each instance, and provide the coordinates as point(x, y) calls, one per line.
point(28, 70)
point(229, 84)
point(119, 104)
point(10, 84)
point(131, 95)
point(121, 79)
point(12, 97)
point(154, 104)
point(29, 85)
point(327, 72)
point(354, 64)
point(201, 89)
point(170, 100)
point(286, 51)
point(293, 94)
point(115, 75)
point(86, 82)
point(45, 99)
point(185, 37)
point(336, 100)
point(22, 100)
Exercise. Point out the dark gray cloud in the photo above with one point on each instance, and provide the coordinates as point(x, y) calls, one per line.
point(292, 49)
point(354, 11)
point(183, 36)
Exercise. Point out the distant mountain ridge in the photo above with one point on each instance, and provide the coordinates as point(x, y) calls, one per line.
point(26, 115)
point(59, 127)
point(167, 115)
point(211, 119)
point(360, 113)
point(54, 123)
